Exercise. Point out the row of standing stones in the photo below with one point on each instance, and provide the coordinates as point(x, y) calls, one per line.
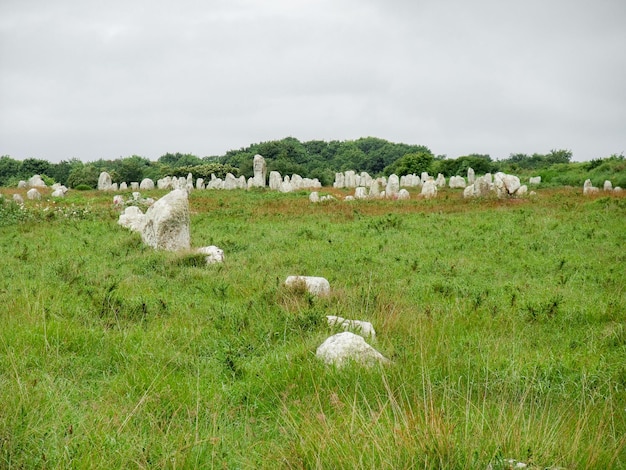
point(166, 226)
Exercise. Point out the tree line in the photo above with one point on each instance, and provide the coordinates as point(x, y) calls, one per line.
point(312, 159)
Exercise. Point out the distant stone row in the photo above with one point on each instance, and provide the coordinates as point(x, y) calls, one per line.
point(589, 188)
point(259, 180)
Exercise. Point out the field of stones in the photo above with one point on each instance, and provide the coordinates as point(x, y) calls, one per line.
point(484, 332)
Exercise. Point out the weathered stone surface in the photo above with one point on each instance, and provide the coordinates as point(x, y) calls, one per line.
point(608, 186)
point(471, 176)
point(213, 254)
point(429, 189)
point(339, 181)
point(275, 180)
point(123, 186)
point(521, 191)
point(440, 182)
point(118, 200)
point(315, 285)
point(350, 179)
point(285, 186)
point(374, 189)
point(589, 188)
point(146, 184)
point(167, 222)
point(200, 184)
point(468, 191)
point(58, 193)
point(230, 182)
point(534, 180)
point(260, 171)
point(511, 183)
point(365, 328)
point(403, 194)
point(424, 177)
point(22, 184)
point(134, 185)
point(104, 181)
point(33, 194)
point(483, 186)
point(457, 182)
point(132, 218)
point(360, 193)
point(36, 182)
point(344, 347)
point(314, 197)
point(18, 198)
point(393, 186)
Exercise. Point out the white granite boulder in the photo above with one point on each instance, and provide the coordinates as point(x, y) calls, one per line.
point(534, 180)
point(393, 187)
point(315, 285)
point(608, 186)
point(132, 218)
point(22, 184)
point(167, 224)
point(213, 254)
point(344, 347)
point(260, 171)
point(457, 182)
point(471, 176)
point(18, 198)
point(403, 194)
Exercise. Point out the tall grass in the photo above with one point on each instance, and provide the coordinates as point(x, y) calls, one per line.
point(504, 320)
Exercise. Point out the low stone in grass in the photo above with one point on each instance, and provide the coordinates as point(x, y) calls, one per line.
point(429, 189)
point(589, 188)
point(314, 285)
point(167, 224)
point(344, 347)
point(213, 254)
point(363, 327)
point(36, 182)
point(18, 198)
point(132, 218)
point(146, 184)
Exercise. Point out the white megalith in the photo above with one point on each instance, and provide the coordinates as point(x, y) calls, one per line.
point(167, 222)
point(260, 171)
point(344, 347)
point(608, 186)
point(314, 197)
point(132, 218)
point(275, 180)
point(429, 189)
point(315, 285)
point(213, 254)
point(104, 181)
point(589, 188)
point(393, 187)
point(471, 176)
point(36, 182)
point(146, 184)
point(534, 180)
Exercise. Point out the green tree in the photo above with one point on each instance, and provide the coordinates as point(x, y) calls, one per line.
point(9, 171)
point(411, 163)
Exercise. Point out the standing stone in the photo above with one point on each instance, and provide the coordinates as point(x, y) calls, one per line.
point(360, 193)
point(339, 181)
point(230, 182)
point(22, 184)
point(33, 194)
point(403, 194)
point(375, 189)
point(286, 186)
point(344, 347)
point(133, 219)
point(589, 188)
point(18, 198)
point(468, 191)
point(104, 181)
point(608, 186)
point(123, 186)
point(457, 182)
point(134, 186)
point(534, 180)
point(275, 180)
point(511, 183)
point(440, 182)
point(429, 189)
point(167, 222)
point(200, 183)
point(424, 177)
point(393, 186)
point(36, 182)
point(57, 193)
point(350, 179)
point(471, 176)
point(146, 184)
point(314, 197)
point(260, 171)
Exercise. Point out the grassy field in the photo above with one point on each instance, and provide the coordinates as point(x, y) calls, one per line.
point(505, 322)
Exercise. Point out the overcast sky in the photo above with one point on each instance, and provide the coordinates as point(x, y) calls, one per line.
point(108, 79)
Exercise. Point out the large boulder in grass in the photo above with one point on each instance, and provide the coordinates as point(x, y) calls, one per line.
point(167, 223)
point(33, 194)
point(315, 285)
point(342, 348)
point(36, 182)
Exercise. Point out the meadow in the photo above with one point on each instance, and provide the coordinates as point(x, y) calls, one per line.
point(505, 321)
